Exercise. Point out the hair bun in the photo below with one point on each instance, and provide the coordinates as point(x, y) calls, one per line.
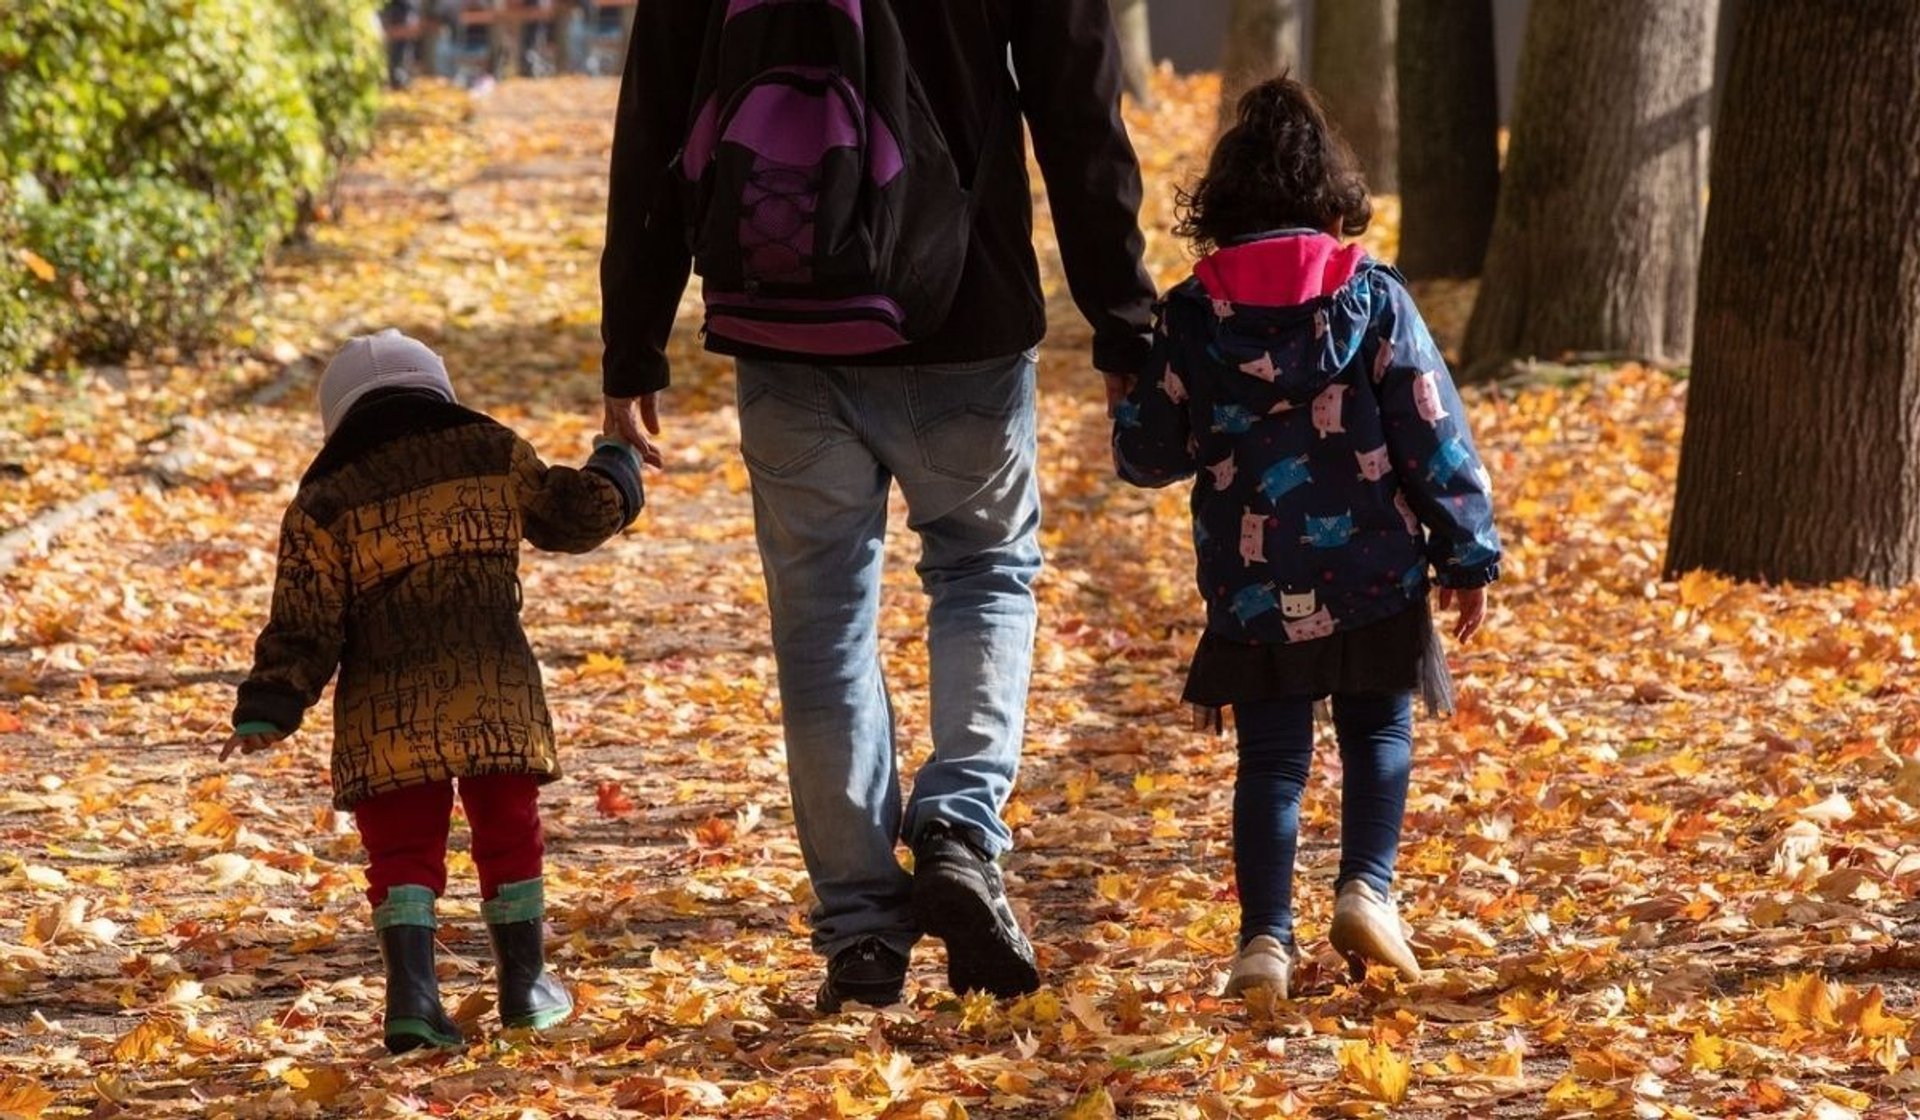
point(1265, 103)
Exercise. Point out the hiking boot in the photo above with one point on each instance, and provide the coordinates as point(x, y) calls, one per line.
point(1263, 963)
point(1366, 927)
point(869, 971)
point(530, 996)
point(959, 897)
point(414, 1018)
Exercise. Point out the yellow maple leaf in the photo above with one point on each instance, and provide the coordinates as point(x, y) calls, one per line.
point(320, 1084)
point(1706, 1052)
point(1805, 1000)
point(1376, 1069)
point(603, 665)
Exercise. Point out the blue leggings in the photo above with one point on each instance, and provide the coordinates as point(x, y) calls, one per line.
point(1276, 752)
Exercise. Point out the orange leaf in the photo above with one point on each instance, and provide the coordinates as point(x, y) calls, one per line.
point(38, 265)
point(145, 1042)
point(21, 1097)
point(611, 799)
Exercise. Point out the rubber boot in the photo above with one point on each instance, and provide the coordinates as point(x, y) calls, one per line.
point(530, 996)
point(415, 1018)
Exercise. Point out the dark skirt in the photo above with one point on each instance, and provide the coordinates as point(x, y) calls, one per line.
point(1400, 653)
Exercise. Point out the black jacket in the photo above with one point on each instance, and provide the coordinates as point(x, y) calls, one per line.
point(1067, 68)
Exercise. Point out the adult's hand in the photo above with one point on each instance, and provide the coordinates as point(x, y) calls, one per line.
point(1473, 609)
point(1119, 385)
point(634, 419)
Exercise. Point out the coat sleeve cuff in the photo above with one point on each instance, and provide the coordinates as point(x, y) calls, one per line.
point(1124, 354)
point(620, 464)
point(272, 704)
point(1466, 579)
point(633, 375)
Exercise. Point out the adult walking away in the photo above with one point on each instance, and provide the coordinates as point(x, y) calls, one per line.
point(788, 145)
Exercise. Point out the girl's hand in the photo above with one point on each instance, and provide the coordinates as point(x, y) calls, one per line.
point(1473, 609)
point(248, 744)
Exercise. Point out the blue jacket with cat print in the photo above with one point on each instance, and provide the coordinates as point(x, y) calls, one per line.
point(1294, 381)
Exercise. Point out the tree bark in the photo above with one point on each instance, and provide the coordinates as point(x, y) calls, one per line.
point(1353, 70)
point(1263, 39)
point(1136, 49)
point(1449, 165)
point(1597, 235)
point(1802, 452)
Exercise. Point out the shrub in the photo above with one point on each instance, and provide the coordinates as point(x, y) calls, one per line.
point(340, 50)
point(156, 151)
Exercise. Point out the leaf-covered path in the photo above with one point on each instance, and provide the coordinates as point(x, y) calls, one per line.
point(1662, 862)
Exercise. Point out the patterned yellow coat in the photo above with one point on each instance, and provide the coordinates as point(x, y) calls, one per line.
point(399, 563)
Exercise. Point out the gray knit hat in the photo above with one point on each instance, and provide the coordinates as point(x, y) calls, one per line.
point(387, 360)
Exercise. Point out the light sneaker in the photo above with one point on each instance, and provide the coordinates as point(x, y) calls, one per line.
point(1366, 928)
point(1263, 963)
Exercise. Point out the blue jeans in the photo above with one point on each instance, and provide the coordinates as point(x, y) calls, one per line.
point(1276, 750)
point(823, 446)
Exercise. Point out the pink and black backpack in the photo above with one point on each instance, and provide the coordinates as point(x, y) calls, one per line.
point(824, 210)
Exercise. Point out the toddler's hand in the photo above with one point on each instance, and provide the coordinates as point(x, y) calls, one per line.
point(1473, 609)
point(249, 744)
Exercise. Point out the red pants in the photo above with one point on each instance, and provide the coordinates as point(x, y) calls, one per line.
point(405, 833)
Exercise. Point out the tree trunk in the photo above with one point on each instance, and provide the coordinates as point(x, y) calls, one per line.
point(503, 43)
point(1597, 235)
point(1263, 39)
point(1136, 49)
point(1802, 452)
point(1449, 136)
point(1353, 72)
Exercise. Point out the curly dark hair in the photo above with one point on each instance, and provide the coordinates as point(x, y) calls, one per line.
point(1281, 164)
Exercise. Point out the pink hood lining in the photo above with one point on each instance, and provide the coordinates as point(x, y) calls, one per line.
point(1282, 271)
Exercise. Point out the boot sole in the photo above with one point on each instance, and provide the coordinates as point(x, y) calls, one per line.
point(540, 1013)
point(833, 997)
point(403, 1035)
point(980, 957)
point(1359, 940)
point(539, 1020)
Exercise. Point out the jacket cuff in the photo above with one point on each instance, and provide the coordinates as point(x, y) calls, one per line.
point(273, 704)
point(256, 727)
point(1466, 579)
point(1124, 354)
point(620, 465)
point(633, 375)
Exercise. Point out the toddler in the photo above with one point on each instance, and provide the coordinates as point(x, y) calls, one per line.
point(399, 565)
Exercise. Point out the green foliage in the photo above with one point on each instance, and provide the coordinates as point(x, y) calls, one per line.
point(156, 151)
point(339, 48)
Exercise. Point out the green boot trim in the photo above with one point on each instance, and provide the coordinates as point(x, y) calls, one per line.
point(524, 901)
point(541, 1020)
point(405, 906)
point(403, 1035)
